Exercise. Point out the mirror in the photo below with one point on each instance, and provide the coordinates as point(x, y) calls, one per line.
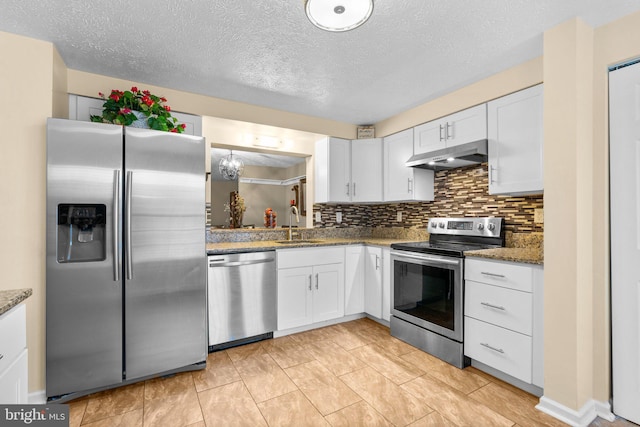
point(268, 181)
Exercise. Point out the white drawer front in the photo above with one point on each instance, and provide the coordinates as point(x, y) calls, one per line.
point(499, 306)
point(507, 351)
point(13, 335)
point(505, 274)
point(300, 257)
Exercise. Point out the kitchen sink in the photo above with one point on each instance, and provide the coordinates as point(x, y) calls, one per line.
point(294, 242)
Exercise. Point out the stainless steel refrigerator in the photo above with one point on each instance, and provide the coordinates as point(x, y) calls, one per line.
point(126, 258)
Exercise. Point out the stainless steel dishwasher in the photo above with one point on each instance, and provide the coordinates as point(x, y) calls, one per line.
point(242, 298)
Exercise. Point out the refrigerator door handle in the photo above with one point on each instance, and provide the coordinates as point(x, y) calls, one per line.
point(128, 225)
point(115, 215)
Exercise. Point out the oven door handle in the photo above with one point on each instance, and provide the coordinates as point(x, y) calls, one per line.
point(426, 258)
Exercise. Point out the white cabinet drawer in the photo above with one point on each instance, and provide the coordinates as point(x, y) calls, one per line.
point(507, 351)
point(500, 306)
point(505, 274)
point(13, 335)
point(300, 257)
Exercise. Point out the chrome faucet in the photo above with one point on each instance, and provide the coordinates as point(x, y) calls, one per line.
point(293, 211)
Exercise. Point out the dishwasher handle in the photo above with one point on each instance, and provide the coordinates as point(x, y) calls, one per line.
point(224, 263)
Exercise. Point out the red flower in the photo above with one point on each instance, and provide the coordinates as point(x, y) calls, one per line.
point(166, 107)
point(125, 110)
point(101, 94)
point(147, 100)
point(183, 126)
point(114, 96)
point(174, 130)
point(134, 89)
point(146, 92)
point(163, 99)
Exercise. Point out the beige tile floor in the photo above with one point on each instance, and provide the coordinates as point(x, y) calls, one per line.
point(351, 374)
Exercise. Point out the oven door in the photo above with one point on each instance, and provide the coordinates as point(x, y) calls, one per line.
point(427, 291)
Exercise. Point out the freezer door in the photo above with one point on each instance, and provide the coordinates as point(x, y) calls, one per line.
point(165, 255)
point(83, 284)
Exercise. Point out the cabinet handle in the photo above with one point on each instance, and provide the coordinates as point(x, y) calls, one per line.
point(449, 135)
point(492, 274)
point(310, 280)
point(354, 189)
point(497, 307)
point(348, 188)
point(499, 350)
point(409, 185)
point(317, 280)
point(491, 174)
point(442, 138)
point(377, 258)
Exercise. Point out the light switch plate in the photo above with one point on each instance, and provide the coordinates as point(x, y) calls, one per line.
point(338, 217)
point(318, 217)
point(399, 216)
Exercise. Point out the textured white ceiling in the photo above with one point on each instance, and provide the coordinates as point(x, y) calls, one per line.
point(268, 53)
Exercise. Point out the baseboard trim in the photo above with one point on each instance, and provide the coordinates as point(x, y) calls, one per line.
point(581, 418)
point(37, 397)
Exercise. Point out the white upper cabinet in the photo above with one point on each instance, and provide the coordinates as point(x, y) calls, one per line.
point(332, 170)
point(348, 171)
point(464, 126)
point(366, 170)
point(402, 182)
point(515, 133)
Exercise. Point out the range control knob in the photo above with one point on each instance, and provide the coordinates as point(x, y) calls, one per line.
point(480, 227)
point(442, 225)
point(491, 226)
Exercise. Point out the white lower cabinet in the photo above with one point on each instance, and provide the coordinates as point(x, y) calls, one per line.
point(373, 281)
point(503, 317)
point(13, 356)
point(310, 286)
point(386, 284)
point(354, 279)
point(377, 282)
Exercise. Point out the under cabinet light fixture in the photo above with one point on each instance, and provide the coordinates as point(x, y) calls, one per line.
point(338, 15)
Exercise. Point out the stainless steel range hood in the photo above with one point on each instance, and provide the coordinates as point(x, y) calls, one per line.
point(470, 153)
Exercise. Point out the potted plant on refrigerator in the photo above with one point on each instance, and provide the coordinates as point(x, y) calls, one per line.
point(138, 109)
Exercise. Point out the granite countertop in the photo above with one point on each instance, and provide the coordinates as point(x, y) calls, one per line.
point(13, 297)
point(269, 245)
point(533, 255)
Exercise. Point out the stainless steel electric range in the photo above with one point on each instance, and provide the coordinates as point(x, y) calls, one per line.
point(427, 298)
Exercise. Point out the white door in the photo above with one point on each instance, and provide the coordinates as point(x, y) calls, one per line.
point(398, 178)
point(366, 170)
point(294, 297)
point(467, 125)
point(354, 280)
point(624, 160)
point(430, 136)
point(328, 293)
point(339, 170)
point(373, 282)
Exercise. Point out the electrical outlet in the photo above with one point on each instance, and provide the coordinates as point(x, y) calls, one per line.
point(538, 216)
point(399, 216)
point(338, 217)
point(318, 217)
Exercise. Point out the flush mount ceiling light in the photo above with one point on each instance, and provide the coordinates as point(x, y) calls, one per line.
point(338, 15)
point(231, 167)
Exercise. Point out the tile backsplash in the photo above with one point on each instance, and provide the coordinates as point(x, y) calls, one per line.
point(462, 192)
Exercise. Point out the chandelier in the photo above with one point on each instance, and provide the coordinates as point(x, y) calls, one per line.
point(231, 167)
point(338, 15)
